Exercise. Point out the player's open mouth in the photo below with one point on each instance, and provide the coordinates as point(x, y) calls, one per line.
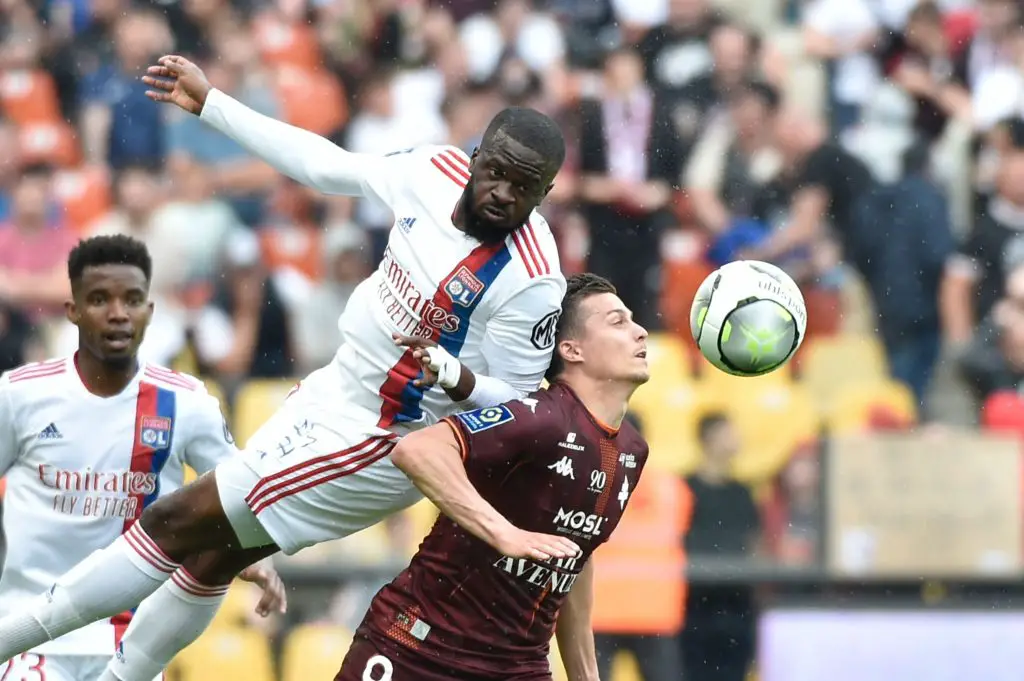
point(642, 354)
point(493, 213)
point(118, 340)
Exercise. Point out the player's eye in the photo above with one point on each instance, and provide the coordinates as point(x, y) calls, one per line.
point(96, 299)
point(496, 173)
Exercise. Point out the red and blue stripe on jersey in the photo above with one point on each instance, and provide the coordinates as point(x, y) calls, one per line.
point(152, 402)
point(401, 397)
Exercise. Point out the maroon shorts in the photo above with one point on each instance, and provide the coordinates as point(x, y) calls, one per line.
point(366, 661)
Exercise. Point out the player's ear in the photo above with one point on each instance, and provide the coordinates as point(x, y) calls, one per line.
point(71, 311)
point(570, 351)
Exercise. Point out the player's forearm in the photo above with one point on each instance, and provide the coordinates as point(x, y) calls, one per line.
point(574, 631)
point(483, 391)
point(437, 470)
point(303, 156)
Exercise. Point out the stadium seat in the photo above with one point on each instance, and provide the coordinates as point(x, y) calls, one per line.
point(234, 611)
point(669, 419)
point(256, 403)
point(84, 194)
point(314, 651)
point(773, 419)
point(669, 365)
point(53, 143)
point(858, 407)
point(29, 96)
point(296, 88)
point(830, 363)
point(225, 654)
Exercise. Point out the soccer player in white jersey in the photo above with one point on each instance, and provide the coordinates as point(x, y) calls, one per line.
point(470, 286)
point(87, 442)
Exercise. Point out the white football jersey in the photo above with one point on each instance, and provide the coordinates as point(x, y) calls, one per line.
point(494, 306)
point(81, 468)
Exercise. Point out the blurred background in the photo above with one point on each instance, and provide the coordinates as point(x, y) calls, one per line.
point(855, 515)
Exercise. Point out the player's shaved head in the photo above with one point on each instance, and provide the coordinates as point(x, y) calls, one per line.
point(579, 287)
point(108, 250)
point(533, 130)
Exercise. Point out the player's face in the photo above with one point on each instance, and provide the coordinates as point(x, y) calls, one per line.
point(111, 309)
point(613, 346)
point(507, 181)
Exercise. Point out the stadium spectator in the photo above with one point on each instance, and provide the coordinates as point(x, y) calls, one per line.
point(718, 641)
point(243, 332)
point(678, 51)
point(34, 249)
point(347, 261)
point(975, 275)
point(994, 360)
point(235, 175)
point(18, 342)
point(120, 126)
point(734, 160)
point(630, 162)
point(843, 33)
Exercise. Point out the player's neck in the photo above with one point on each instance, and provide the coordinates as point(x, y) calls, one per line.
point(102, 379)
point(607, 401)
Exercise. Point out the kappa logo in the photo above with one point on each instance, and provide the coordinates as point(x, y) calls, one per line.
point(544, 331)
point(463, 287)
point(563, 467)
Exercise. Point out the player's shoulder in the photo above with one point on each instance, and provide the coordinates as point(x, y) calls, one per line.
point(629, 439)
point(535, 411)
point(535, 251)
point(177, 382)
point(36, 376)
point(440, 163)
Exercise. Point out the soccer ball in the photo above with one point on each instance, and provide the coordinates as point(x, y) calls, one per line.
point(748, 318)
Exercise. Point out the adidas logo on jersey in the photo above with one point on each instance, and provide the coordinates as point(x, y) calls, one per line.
point(563, 467)
point(405, 224)
point(50, 432)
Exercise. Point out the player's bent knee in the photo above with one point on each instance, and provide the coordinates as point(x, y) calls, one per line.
point(188, 520)
point(221, 566)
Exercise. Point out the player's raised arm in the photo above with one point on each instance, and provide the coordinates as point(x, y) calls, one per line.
point(303, 156)
point(433, 459)
point(574, 629)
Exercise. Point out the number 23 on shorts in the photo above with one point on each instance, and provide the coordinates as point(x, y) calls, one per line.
point(25, 667)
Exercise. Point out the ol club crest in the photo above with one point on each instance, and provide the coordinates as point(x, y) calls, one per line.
point(155, 432)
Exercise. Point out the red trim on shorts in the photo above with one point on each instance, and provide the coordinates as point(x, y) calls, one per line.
point(274, 488)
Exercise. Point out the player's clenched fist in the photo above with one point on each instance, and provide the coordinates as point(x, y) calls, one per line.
point(176, 80)
point(517, 543)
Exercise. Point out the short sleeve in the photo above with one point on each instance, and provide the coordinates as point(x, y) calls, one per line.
point(8, 428)
point(210, 440)
point(496, 439)
point(520, 337)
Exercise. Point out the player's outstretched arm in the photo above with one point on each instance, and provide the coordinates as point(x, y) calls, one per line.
point(303, 156)
point(432, 458)
point(574, 632)
point(458, 381)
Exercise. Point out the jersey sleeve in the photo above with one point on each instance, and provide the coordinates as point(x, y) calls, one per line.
point(494, 440)
point(210, 440)
point(519, 339)
point(8, 429)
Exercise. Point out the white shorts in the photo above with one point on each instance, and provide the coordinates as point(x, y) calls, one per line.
point(32, 667)
point(311, 474)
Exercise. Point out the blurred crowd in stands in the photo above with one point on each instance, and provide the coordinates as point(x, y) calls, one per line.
point(874, 148)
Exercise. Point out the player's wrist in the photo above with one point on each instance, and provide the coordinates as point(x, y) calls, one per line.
point(447, 367)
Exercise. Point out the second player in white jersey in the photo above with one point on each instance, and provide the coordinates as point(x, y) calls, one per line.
point(80, 470)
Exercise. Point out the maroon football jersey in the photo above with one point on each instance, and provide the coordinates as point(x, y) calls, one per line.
point(548, 466)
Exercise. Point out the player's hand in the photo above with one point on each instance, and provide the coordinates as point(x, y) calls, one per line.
point(517, 543)
point(263, 575)
point(176, 80)
point(419, 352)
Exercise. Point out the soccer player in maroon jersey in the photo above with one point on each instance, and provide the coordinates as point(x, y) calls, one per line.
point(561, 461)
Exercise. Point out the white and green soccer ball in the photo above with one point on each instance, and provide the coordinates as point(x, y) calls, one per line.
point(748, 318)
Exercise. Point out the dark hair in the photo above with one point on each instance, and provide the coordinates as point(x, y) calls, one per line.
point(533, 130)
point(579, 287)
point(764, 91)
point(108, 250)
point(709, 422)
